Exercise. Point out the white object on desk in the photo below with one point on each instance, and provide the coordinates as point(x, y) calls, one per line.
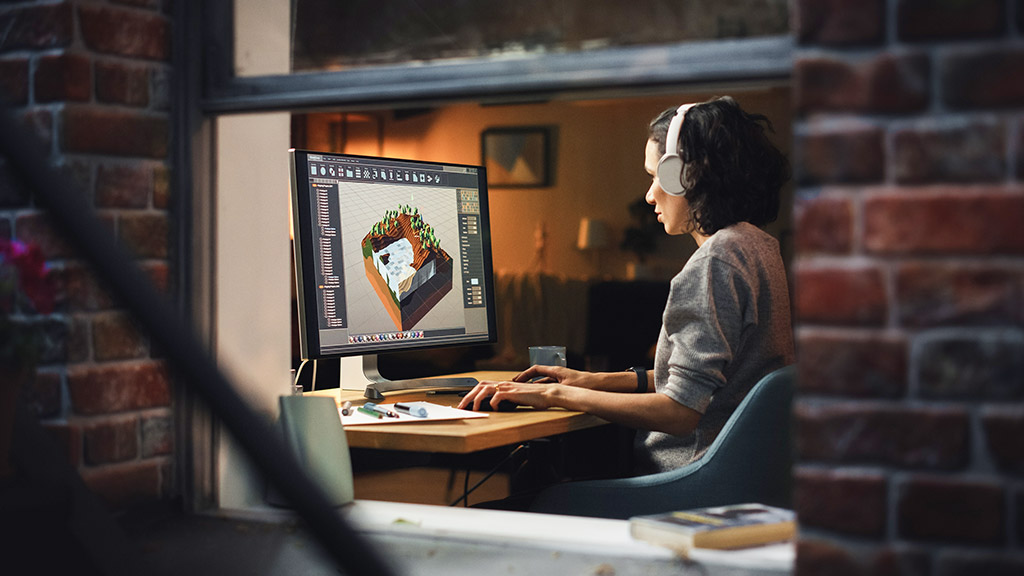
point(435, 412)
point(451, 541)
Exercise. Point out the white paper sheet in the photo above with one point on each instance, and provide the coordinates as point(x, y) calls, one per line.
point(435, 412)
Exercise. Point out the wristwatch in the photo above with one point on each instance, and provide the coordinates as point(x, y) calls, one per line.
point(641, 378)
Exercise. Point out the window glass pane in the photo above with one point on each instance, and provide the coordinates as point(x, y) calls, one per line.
point(334, 35)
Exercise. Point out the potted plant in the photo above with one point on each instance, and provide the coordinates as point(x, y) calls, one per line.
point(25, 289)
point(641, 237)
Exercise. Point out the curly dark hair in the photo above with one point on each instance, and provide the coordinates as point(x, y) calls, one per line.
point(734, 171)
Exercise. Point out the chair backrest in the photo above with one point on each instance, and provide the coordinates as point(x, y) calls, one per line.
point(312, 429)
point(749, 461)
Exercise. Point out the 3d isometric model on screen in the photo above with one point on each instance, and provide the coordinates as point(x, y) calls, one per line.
point(406, 265)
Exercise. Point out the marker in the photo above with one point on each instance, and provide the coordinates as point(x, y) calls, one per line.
point(369, 412)
point(378, 409)
point(417, 411)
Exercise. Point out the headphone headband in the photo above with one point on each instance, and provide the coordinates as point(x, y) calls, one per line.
point(671, 168)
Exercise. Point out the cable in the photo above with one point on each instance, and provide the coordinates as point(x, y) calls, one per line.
point(467, 491)
point(298, 374)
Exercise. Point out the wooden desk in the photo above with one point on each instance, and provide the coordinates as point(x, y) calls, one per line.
point(460, 436)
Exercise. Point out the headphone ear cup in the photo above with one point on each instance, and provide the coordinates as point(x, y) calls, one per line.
point(670, 171)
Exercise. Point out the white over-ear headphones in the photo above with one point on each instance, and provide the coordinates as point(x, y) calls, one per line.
point(671, 168)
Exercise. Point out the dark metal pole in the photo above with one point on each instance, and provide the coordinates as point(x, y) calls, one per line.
point(73, 216)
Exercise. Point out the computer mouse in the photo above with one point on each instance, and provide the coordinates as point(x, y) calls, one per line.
point(503, 406)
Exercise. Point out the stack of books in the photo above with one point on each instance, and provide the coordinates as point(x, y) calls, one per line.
point(722, 527)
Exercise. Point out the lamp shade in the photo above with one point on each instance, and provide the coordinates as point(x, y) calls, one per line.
point(593, 234)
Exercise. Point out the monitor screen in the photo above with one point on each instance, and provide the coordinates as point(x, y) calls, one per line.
point(390, 254)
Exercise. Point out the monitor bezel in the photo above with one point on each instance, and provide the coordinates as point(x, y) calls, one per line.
point(305, 272)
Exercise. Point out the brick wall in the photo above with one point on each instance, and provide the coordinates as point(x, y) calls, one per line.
point(92, 79)
point(909, 285)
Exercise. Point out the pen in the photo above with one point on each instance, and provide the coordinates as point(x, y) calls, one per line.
point(417, 411)
point(369, 412)
point(384, 411)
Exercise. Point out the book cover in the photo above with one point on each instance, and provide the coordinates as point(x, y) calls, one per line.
point(733, 526)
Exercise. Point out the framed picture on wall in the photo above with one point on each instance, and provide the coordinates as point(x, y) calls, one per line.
point(518, 157)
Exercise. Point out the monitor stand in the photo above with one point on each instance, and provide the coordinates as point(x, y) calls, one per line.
point(360, 373)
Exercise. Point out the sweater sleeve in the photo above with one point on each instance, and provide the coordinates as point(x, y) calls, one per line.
point(703, 323)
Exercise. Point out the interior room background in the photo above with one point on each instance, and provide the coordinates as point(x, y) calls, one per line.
point(908, 143)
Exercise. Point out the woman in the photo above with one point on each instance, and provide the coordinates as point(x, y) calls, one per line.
point(726, 323)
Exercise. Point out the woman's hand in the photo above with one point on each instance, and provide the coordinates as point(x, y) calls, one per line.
point(523, 393)
point(560, 374)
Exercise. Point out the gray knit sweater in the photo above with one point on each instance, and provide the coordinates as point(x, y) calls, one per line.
point(725, 326)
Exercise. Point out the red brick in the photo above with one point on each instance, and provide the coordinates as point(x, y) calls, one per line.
point(68, 439)
point(14, 81)
point(856, 365)
point(839, 22)
point(125, 32)
point(120, 84)
point(145, 234)
point(970, 365)
point(78, 340)
point(161, 188)
point(159, 275)
point(887, 83)
point(884, 434)
point(843, 502)
point(116, 337)
point(36, 228)
point(853, 154)
point(951, 510)
point(938, 294)
point(983, 79)
point(927, 20)
point(858, 557)
point(84, 292)
point(111, 388)
point(111, 441)
point(123, 185)
point(823, 224)
point(126, 485)
point(157, 436)
point(40, 26)
point(851, 295)
point(95, 130)
point(901, 560)
point(820, 557)
point(950, 152)
point(62, 78)
point(1004, 427)
point(945, 221)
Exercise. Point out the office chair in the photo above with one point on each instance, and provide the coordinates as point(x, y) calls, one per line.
point(749, 461)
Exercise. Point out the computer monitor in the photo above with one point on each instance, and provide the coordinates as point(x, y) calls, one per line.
point(390, 255)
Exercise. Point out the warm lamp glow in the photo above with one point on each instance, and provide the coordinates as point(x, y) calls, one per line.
point(593, 234)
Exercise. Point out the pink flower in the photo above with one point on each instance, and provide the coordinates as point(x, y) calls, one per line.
point(31, 271)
